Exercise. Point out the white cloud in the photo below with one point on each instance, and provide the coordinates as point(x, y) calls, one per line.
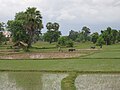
point(85, 10)
point(90, 10)
point(63, 11)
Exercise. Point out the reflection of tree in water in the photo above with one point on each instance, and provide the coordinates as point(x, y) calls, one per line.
point(68, 83)
point(27, 80)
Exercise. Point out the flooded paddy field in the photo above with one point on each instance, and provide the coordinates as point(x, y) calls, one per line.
point(58, 81)
point(98, 82)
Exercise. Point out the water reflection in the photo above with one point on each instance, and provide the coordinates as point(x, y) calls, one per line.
point(98, 82)
point(30, 81)
point(58, 81)
point(6, 84)
point(52, 81)
point(26, 80)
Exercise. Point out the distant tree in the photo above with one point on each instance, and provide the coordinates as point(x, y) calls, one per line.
point(100, 40)
point(118, 36)
point(86, 32)
point(80, 37)
point(65, 41)
point(114, 36)
point(94, 37)
point(53, 32)
point(49, 26)
point(55, 26)
point(107, 35)
point(62, 40)
point(110, 36)
point(69, 43)
point(73, 35)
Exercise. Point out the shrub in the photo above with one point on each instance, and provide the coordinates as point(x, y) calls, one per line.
point(65, 41)
point(69, 43)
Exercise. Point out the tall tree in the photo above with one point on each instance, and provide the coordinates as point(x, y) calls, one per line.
point(114, 35)
point(33, 23)
point(53, 32)
point(86, 32)
point(94, 37)
point(107, 35)
point(55, 26)
point(73, 35)
point(49, 26)
point(118, 36)
point(100, 40)
point(30, 23)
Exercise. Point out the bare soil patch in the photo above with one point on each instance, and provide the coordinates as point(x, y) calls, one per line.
point(47, 55)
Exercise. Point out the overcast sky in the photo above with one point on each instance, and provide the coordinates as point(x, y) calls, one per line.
point(70, 14)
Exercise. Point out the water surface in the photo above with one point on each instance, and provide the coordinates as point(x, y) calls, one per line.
point(58, 81)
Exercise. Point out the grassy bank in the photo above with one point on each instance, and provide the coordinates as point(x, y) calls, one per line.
point(62, 65)
point(69, 82)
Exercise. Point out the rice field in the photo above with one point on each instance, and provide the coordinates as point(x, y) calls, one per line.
point(58, 81)
point(46, 68)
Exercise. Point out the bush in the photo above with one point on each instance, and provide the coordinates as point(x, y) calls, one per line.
point(65, 41)
point(69, 43)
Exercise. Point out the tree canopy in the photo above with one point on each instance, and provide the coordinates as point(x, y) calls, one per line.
point(26, 25)
point(53, 32)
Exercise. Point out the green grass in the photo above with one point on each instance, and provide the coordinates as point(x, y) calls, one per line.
point(69, 82)
point(112, 47)
point(44, 44)
point(107, 52)
point(47, 47)
point(85, 45)
point(105, 55)
point(62, 65)
point(53, 45)
point(107, 59)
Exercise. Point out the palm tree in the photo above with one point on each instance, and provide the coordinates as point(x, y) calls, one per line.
point(32, 23)
point(53, 33)
point(106, 34)
point(55, 26)
point(49, 26)
point(86, 32)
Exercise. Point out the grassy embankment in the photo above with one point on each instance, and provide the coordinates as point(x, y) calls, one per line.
point(106, 60)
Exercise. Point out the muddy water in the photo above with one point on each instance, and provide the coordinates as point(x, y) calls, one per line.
point(52, 81)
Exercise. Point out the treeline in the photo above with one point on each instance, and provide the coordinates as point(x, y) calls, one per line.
point(108, 36)
point(27, 25)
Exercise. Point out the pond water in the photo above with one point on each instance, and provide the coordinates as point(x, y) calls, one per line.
point(55, 81)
